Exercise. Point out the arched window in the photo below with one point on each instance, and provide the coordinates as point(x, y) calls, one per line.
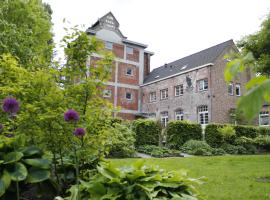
point(179, 114)
point(203, 114)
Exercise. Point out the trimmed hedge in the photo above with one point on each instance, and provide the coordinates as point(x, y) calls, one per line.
point(263, 131)
point(179, 132)
point(212, 136)
point(246, 131)
point(147, 131)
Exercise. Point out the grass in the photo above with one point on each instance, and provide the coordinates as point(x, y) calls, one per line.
point(228, 177)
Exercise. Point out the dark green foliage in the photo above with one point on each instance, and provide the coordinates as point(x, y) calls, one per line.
point(212, 136)
point(263, 142)
point(147, 131)
point(20, 164)
point(179, 132)
point(196, 147)
point(138, 181)
point(218, 151)
point(157, 151)
point(246, 131)
point(247, 143)
point(234, 149)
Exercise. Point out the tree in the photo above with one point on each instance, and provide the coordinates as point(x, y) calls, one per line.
point(259, 45)
point(255, 56)
point(26, 31)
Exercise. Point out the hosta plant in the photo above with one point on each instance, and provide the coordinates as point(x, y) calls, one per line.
point(138, 181)
point(20, 166)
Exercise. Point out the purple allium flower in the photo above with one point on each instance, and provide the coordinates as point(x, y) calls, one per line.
point(71, 115)
point(9, 135)
point(79, 132)
point(11, 105)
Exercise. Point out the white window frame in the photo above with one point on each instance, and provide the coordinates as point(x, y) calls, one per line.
point(164, 94)
point(129, 50)
point(203, 85)
point(164, 119)
point(179, 115)
point(108, 45)
point(128, 73)
point(130, 99)
point(178, 90)
point(264, 114)
point(232, 89)
point(238, 86)
point(152, 97)
point(107, 93)
point(203, 115)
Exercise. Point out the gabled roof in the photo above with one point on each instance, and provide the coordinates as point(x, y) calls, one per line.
point(201, 58)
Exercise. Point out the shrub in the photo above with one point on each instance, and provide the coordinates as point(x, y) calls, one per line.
point(138, 181)
point(234, 149)
point(263, 142)
point(247, 131)
point(157, 151)
point(212, 135)
point(263, 131)
point(248, 143)
point(179, 132)
point(218, 151)
point(227, 134)
point(147, 131)
point(197, 147)
point(122, 141)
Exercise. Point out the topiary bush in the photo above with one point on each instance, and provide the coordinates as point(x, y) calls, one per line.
point(212, 135)
point(179, 132)
point(147, 131)
point(247, 131)
point(196, 147)
point(263, 131)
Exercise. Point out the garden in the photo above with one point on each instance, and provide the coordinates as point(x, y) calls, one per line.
point(59, 139)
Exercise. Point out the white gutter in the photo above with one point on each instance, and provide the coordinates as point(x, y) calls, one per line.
point(177, 74)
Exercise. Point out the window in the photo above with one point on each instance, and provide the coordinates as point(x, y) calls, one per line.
point(128, 96)
point(230, 89)
point(107, 93)
point(164, 94)
point(108, 45)
point(164, 119)
point(178, 90)
point(264, 118)
point(203, 85)
point(237, 89)
point(179, 115)
point(152, 96)
point(129, 72)
point(203, 114)
point(129, 50)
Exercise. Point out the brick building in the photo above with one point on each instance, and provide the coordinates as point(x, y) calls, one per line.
point(131, 64)
point(191, 88)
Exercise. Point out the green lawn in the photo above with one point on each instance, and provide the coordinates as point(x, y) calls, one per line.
point(228, 177)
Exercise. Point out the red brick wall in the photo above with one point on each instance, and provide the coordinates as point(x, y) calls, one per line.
point(126, 116)
point(123, 102)
point(118, 50)
point(133, 57)
point(123, 78)
point(93, 62)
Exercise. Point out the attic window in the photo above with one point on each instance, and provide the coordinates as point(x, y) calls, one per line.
point(184, 67)
point(157, 76)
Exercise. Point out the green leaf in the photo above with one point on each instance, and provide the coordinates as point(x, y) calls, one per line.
point(2, 188)
point(256, 81)
point(39, 163)
point(17, 172)
point(12, 157)
point(37, 175)
point(6, 179)
point(30, 151)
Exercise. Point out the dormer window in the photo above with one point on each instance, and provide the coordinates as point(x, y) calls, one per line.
point(129, 50)
point(108, 45)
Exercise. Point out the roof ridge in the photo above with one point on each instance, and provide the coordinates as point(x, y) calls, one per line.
point(231, 40)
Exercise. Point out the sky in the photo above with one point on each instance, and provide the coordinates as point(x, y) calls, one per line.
point(172, 29)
